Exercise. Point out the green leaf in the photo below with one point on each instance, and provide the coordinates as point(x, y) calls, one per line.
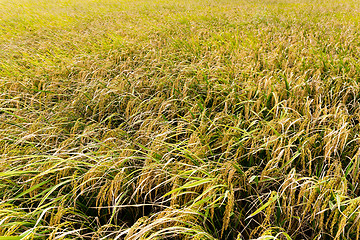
point(32, 188)
point(11, 238)
point(16, 173)
point(190, 185)
point(273, 198)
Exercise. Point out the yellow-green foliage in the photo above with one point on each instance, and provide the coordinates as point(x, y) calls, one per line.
point(179, 119)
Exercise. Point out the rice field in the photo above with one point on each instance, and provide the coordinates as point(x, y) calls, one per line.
point(183, 119)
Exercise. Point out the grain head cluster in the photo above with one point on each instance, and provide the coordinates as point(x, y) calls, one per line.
point(183, 119)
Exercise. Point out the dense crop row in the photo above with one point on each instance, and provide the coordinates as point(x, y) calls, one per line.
point(227, 119)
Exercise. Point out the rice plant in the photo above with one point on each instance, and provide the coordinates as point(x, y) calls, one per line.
point(186, 119)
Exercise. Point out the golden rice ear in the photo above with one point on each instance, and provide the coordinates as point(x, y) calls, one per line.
point(228, 210)
point(179, 119)
point(349, 212)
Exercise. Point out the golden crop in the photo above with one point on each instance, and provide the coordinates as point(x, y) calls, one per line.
point(183, 119)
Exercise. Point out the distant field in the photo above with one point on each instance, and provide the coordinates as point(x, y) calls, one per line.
point(179, 119)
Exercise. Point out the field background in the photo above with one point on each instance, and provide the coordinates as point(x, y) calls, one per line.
point(228, 119)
